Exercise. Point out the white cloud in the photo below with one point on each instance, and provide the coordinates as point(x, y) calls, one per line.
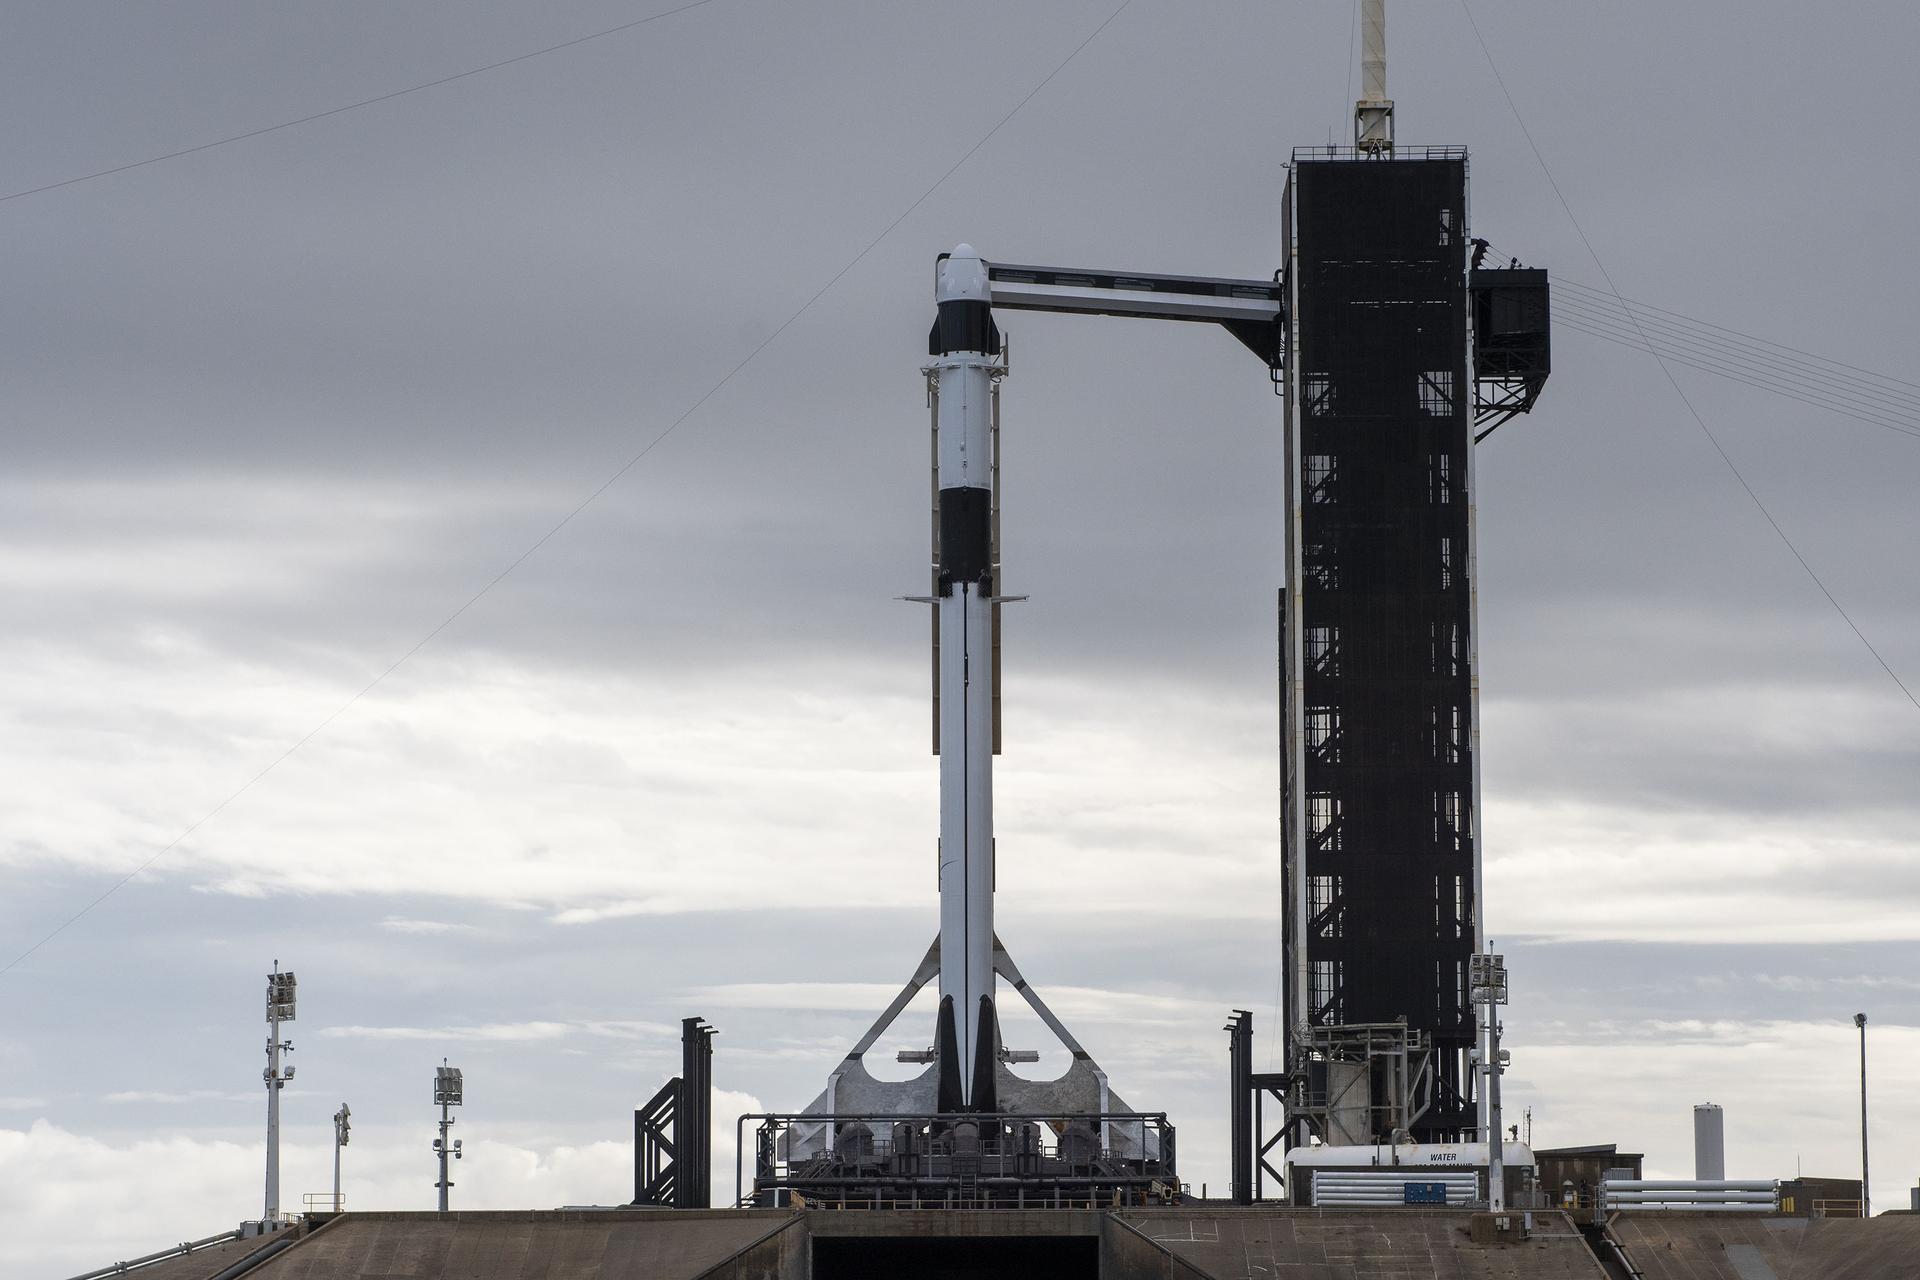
point(507, 1031)
point(1702, 875)
point(610, 911)
point(1789, 1089)
point(53, 1182)
point(191, 1095)
point(1842, 982)
point(431, 927)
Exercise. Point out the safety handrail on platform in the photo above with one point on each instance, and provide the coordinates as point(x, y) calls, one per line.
point(180, 1250)
point(956, 1159)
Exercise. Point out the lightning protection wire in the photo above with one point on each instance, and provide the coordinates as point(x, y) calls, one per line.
point(1843, 386)
point(1667, 369)
point(1783, 351)
point(1744, 363)
point(1737, 355)
point(585, 502)
point(1612, 330)
point(351, 106)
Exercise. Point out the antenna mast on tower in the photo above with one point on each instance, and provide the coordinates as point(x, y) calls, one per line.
point(1373, 114)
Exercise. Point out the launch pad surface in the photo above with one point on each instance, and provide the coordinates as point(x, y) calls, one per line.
point(1185, 1242)
point(1196, 1243)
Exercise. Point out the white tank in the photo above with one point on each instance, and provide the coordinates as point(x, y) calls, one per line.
point(1709, 1143)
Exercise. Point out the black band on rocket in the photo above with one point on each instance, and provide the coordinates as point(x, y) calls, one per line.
point(964, 325)
point(965, 536)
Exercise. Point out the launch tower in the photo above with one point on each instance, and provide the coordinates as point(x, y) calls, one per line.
point(1402, 351)
point(1395, 350)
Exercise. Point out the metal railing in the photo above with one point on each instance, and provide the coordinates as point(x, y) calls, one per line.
point(175, 1251)
point(954, 1158)
point(324, 1202)
point(1397, 153)
point(1836, 1208)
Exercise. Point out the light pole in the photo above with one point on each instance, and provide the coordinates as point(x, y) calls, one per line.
point(1487, 984)
point(1860, 1021)
point(280, 1002)
point(341, 1127)
point(448, 1091)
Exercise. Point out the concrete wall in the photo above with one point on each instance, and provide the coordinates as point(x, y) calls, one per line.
point(1127, 1254)
point(783, 1255)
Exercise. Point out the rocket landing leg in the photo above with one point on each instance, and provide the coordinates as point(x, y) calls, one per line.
point(853, 1090)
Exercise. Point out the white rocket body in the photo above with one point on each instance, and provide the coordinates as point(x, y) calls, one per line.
point(965, 603)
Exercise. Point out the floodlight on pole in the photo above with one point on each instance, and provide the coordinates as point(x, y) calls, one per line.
point(449, 1090)
point(1860, 1021)
point(1487, 980)
point(342, 1126)
point(281, 991)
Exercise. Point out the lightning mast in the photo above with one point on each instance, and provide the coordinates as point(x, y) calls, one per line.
point(449, 1090)
point(342, 1126)
point(1373, 114)
point(280, 1003)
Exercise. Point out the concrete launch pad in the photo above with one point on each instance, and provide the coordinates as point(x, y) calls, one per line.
point(1185, 1242)
point(1193, 1243)
point(1686, 1246)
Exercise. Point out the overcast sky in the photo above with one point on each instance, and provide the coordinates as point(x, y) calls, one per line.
point(274, 411)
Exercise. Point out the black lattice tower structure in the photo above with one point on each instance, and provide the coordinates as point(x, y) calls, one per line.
point(1379, 689)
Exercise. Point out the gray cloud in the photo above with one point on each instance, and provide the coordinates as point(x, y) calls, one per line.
point(276, 410)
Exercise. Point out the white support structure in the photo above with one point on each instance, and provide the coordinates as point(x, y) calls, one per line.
point(1373, 113)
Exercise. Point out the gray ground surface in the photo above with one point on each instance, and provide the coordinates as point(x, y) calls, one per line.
point(522, 1246)
point(1719, 1247)
point(1305, 1244)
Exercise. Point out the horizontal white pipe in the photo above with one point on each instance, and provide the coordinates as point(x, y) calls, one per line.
point(1695, 1208)
point(1702, 1197)
point(1398, 1188)
point(1325, 1196)
point(1688, 1184)
point(1614, 1193)
point(1393, 1188)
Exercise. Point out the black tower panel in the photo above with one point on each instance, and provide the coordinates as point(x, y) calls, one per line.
point(1380, 775)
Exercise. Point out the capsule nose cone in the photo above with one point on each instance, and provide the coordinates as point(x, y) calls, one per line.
point(962, 276)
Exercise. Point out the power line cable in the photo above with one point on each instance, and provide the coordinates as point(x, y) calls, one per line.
point(584, 503)
point(351, 106)
point(1767, 357)
point(1633, 343)
point(1753, 338)
point(1672, 381)
point(1709, 361)
point(1832, 377)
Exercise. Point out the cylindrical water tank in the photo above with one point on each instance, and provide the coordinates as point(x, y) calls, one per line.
point(1709, 1142)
